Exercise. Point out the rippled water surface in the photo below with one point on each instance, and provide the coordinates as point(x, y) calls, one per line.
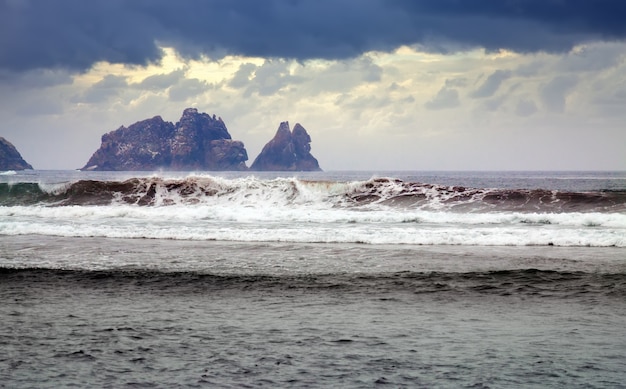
point(428, 317)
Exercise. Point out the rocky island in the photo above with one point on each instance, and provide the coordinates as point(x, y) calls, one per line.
point(287, 151)
point(10, 158)
point(197, 142)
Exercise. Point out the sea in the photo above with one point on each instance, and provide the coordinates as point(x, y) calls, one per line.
point(312, 280)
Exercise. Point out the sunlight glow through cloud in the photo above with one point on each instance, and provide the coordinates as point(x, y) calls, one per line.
point(392, 105)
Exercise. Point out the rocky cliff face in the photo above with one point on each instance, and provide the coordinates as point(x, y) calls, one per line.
point(10, 158)
point(197, 142)
point(287, 151)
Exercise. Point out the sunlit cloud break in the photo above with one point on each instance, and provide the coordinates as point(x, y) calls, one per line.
point(408, 84)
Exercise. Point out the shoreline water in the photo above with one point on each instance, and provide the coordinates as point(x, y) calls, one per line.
point(220, 257)
point(278, 315)
point(86, 304)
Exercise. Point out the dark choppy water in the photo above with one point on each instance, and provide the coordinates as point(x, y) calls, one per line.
point(428, 317)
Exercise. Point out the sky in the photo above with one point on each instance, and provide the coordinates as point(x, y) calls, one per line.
point(378, 84)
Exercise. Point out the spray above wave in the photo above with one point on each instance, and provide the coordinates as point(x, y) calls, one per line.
point(148, 192)
point(378, 211)
point(251, 192)
point(437, 197)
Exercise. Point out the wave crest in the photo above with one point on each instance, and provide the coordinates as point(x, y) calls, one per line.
point(250, 191)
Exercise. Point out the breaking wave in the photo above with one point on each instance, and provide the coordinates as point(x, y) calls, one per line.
point(376, 211)
point(251, 191)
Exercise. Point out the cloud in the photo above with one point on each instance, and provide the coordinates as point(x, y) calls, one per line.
point(187, 88)
point(553, 93)
point(594, 58)
point(36, 79)
point(494, 104)
point(75, 34)
point(266, 79)
point(445, 98)
point(159, 82)
point(243, 75)
point(338, 76)
point(456, 82)
point(491, 84)
point(110, 86)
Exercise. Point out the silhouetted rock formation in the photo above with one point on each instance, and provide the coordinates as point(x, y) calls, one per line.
point(287, 151)
point(197, 142)
point(10, 158)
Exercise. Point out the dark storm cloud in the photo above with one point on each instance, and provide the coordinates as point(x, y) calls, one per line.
point(36, 78)
point(73, 34)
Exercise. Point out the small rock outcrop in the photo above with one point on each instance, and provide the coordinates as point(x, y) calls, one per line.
point(197, 142)
point(287, 151)
point(10, 158)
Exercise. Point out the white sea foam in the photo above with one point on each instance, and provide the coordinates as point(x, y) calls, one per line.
point(316, 222)
point(375, 211)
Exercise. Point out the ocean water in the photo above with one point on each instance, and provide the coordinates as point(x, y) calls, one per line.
point(326, 279)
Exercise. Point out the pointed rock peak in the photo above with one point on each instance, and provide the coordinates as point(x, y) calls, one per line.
point(190, 112)
point(157, 119)
point(10, 158)
point(191, 115)
point(283, 134)
point(301, 140)
point(287, 151)
point(284, 126)
point(298, 128)
point(300, 132)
